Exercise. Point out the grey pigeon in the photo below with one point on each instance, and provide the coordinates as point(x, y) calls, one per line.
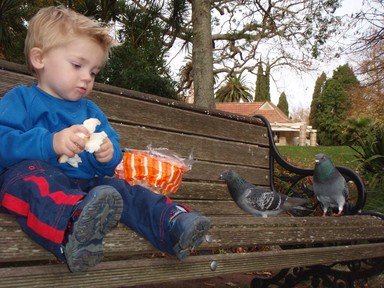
point(329, 185)
point(257, 200)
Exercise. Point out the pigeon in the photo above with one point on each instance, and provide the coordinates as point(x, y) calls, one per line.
point(329, 185)
point(257, 200)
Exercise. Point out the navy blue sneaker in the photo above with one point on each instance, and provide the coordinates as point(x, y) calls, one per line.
point(96, 215)
point(187, 232)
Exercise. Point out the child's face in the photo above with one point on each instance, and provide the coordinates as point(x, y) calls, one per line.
point(69, 72)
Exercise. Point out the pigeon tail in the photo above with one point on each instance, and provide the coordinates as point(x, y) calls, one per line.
point(294, 203)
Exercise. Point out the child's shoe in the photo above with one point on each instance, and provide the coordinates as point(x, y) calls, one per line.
point(96, 215)
point(187, 231)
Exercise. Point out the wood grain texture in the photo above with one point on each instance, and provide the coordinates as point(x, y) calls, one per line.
point(228, 231)
point(157, 270)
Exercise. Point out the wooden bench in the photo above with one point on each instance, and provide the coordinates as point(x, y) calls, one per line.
point(238, 242)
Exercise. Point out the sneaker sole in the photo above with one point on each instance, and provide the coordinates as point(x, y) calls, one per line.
point(192, 237)
point(98, 217)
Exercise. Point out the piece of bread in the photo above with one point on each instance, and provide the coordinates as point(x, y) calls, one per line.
point(93, 142)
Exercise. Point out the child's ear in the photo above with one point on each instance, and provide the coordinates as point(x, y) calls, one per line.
point(36, 58)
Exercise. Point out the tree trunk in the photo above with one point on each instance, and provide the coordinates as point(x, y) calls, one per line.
point(202, 54)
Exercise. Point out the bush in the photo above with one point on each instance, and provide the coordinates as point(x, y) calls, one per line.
point(370, 155)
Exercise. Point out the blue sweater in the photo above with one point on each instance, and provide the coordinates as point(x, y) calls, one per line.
point(29, 118)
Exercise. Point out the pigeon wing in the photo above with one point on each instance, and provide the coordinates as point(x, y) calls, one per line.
point(263, 200)
point(345, 186)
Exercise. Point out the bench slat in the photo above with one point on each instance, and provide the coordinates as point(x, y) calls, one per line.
point(242, 232)
point(122, 109)
point(9, 80)
point(212, 191)
point(146, 271)
point(203, 149)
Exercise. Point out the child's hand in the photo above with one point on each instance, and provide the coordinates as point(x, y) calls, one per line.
point(105, 153)
point(69, 142)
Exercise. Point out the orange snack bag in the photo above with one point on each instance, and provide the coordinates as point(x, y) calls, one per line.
point(156, 169)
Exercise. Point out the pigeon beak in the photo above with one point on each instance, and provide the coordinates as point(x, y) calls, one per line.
point(317, 161)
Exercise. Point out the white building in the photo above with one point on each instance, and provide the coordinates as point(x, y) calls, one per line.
point(286, 132)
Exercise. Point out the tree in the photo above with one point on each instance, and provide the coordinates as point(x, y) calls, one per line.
point(369, 98)
point(102, 10)
point(267, 82)
point(332, 113)
point(283, 103)
point(259, 81)
point(345, 75)
point(12, 29)
point(319, 85)
point(299, 114)
point(138, 63)
point(334, 105)
point(202, 58)
point(234, 90)
point(14, 14)
point(283, 31)
point(372, 16)
point(262, 92)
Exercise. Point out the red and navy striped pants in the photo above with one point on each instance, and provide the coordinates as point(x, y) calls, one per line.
point(42, 198)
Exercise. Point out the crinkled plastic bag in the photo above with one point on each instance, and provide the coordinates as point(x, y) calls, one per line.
point(157, 169)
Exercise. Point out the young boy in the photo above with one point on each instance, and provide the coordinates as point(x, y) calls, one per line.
point(65, 209)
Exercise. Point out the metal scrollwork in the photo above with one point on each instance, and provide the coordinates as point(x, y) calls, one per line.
point(297, 182)
point(341, 275)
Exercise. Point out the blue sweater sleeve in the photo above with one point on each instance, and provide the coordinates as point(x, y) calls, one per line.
point(29, 118)
point(19, 138)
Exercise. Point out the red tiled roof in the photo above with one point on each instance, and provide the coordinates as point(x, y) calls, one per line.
point(267, 109)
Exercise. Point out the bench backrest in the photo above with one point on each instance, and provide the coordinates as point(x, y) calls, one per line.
point(229, 141)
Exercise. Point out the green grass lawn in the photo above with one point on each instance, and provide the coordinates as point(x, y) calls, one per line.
point(341, 156)
point(304, 156)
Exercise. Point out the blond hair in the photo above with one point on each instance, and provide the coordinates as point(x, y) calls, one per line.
point(53, 27)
